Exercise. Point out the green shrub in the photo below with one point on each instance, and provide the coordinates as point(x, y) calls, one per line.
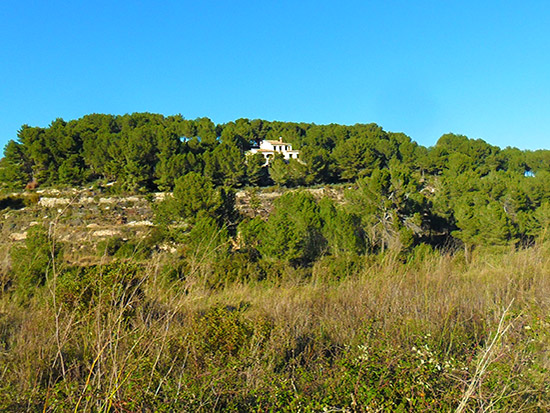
point(31, 199)
point(32, 263)
point(109, 246)
point(114, 284)
point(121, 248)
point(238, 266)
point(380, 374)
point(223, 331)
point(334, 268)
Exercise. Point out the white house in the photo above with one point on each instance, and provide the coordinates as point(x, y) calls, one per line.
point(269, 148)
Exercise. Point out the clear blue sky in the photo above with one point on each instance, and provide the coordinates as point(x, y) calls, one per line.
point(478, 68)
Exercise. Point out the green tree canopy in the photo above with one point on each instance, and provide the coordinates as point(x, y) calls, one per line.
point(293, 231)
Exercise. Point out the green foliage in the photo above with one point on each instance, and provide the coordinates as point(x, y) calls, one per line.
point(114, 284)
point(289, 173)
point(223, 332)
point(15, 170)
point(255, 170)
point(34, 262)
point(279, 171)
point(335, 268)
point(198, 207)
point(539, 223)
point(71, 171)
point(349, 333)
point(342, 231)
point(354, 158)
point(237, 266)
point(318, 165)
point(118, 247)
point(483, 222)
point(250, 232)
point(405, 194)
point(206, 238)
point(193, 194)
point(202, 249)
point(225, 165)
point(391, 208)
point(293, 231)
point(455, 154)
point(380, 375)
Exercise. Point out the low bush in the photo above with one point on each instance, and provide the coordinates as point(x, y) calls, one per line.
point(110, 285)
point(436, 333)
point(35, 261)
point(122, 248)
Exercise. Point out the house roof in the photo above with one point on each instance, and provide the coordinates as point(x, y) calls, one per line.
point(278, 142)
point(273, 151)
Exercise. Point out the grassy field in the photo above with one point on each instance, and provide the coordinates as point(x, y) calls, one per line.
point(350, 334)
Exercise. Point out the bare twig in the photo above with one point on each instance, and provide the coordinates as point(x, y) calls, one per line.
point(486, 360)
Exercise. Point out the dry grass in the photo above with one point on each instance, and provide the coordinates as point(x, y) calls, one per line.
point(421, 336)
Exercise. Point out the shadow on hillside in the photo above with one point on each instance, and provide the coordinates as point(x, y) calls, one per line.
point(12, 202)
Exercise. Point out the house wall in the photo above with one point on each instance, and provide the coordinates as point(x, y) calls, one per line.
point(269, 148)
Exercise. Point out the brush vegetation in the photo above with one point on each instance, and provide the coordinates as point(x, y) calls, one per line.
point(347, 334)
point(409, 279)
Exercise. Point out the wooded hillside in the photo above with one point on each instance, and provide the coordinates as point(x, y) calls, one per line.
point(405, 194)
point(374, 275)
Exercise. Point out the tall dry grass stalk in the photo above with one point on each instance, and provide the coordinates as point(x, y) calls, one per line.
point(485, 360)
point(153, 341)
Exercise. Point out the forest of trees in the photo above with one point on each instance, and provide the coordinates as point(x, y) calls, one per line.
point(146, 152)
point(403, 194)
